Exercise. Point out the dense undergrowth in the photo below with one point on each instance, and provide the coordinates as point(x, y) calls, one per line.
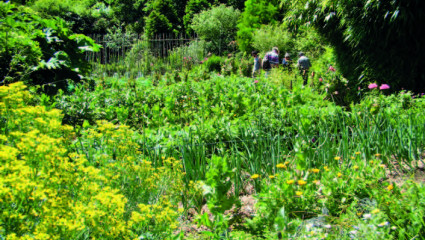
point(141, 158)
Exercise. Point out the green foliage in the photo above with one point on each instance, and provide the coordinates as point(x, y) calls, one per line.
point(83, 16)
point(268, 36)
point(39, 50)
point(315, 168)
point(187, 56)
point(161, 18)
point(217, 26)
point(130, 13)
point(18, 53)
point(237, 4)
point(255, 14)
point(219, 180)
point(217, 192)
point(374, 41)
point(213, 64)
point(193, 7)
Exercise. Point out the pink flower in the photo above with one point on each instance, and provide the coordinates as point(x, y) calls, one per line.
point(184, 58)
point(256, 81)
point(384, 86)
point(359, 88)
point(320, 80)
point(372, 86)
point(332, 69)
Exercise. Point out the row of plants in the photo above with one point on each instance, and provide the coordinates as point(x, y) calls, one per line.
point(205, 105)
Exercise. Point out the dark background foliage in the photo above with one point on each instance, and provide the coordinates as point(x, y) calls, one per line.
point(378, 41)
point(373, 41)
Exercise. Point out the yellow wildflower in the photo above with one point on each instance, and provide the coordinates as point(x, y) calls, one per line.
point(357, 153)
point(302, 182)
point(298, 193)
point(290, 182)
point(339, 175)
point(315, 170)
point(255, 176)
point(272, 176)
point(390, 187)
point(378, 155)
point(281, 165)
point(375, 211)
point(355, 167)
point(337, 158)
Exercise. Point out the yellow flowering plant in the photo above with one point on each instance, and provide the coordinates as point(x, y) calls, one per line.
point(53, 187)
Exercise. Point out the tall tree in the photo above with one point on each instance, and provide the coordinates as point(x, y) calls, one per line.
point(161, 18)
point(130, 12)
point(193, 7)
point(256, 13)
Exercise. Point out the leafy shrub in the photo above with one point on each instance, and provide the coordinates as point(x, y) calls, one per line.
point(243, 64)
point(139, 57)
point(193, 7)
point(217, 26)
point(213, 64)
point(40, 51)
point(255, 14)
point(82, 16)
point(187, 55)
point(268, 36)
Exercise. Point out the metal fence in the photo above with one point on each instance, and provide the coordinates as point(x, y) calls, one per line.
point(134, 53)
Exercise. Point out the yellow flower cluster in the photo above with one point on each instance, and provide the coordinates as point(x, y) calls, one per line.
point(48, 191)
point(161, 216)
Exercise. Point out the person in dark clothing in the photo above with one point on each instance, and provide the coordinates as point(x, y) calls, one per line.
point(287, 62)
point(303, 65)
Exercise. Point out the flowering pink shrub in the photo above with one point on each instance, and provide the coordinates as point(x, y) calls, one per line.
point(384, 86)
point(372, 86)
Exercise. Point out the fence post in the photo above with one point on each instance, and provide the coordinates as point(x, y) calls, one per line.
point(104, 49)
